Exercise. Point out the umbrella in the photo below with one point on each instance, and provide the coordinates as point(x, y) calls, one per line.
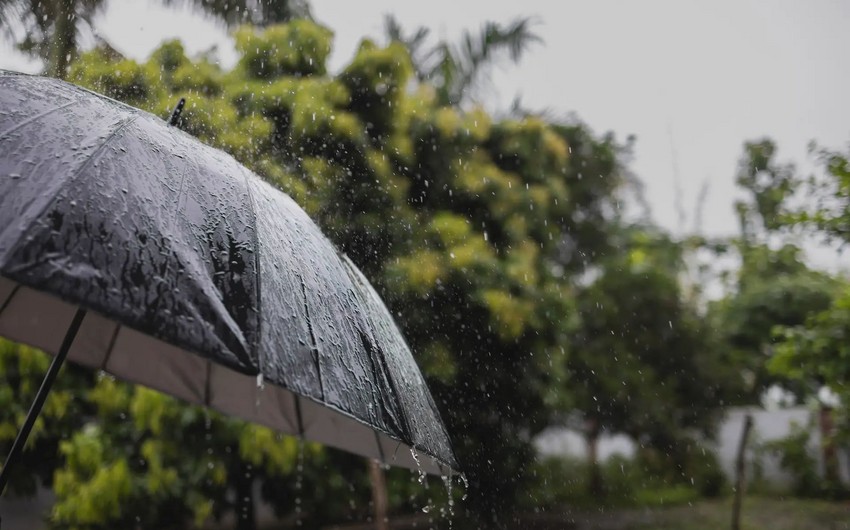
point(133, 248)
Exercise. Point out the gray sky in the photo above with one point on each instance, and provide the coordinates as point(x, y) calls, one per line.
point(692, 80)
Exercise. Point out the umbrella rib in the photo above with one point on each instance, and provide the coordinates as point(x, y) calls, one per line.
point(256, 243)
point(380, 372)
point(299, 418)
point(17, 126)
point(9, 299)
point(110, 347)
point(380, 447)
point(73, 177)
point(374, 352)
point(313, 343)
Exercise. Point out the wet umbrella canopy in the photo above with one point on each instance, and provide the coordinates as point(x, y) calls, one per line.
point(187, 273)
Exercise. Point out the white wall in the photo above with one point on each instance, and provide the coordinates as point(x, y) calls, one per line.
point(767, 425)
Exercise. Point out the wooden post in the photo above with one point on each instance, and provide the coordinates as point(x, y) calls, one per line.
point(828, 450)
point(379, 495)
point(740, 473)
point(594, 476)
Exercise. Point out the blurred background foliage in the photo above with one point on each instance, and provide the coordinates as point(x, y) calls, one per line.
point(501, 246)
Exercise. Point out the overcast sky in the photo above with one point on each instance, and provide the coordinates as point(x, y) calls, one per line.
point(692, 80)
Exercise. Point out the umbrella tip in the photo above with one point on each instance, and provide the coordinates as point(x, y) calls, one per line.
point(175, 114)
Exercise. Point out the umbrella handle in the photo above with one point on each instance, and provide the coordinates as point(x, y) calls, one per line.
point(38, 402)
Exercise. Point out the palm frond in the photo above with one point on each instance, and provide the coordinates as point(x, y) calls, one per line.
point(476, 52)
point(422, 61)
point(256, 12)
point(493, 38)
point(455, 70)
point(31, 25)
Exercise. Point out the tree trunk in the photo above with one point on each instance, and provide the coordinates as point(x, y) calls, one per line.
point(594, 477)
point(244, 484)
point(64, 38)
point(379, 495)
point(740, 472)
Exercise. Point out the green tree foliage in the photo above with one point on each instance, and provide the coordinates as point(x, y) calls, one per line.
point(50, 29)
point(768, 184)
point(22, 370)
point(774, 287)
point(829, 211)
point(255, 12)
point(816, 351)
point(47, 29)
point(648, 365)
point(147, 460)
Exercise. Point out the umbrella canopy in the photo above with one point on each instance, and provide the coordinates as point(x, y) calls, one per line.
point(198, 279)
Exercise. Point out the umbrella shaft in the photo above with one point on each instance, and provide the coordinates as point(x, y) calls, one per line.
point(38, 402)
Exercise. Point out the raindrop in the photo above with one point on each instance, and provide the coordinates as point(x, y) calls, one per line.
point(465, 486)
point(447, 480)
point(418, 465)
point(261, 385)
point(299, 476)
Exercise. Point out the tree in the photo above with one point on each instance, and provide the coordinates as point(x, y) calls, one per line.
point(455, 71)
point(49, 29)
point(769, 184)
point(23, 369)
point(829, 207)
point(129, 466)
point(773, 287)
point(255, 12)
point(644, 361)
point(815, 351)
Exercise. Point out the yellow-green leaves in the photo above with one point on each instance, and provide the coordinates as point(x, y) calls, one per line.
point(418, 272)
point(91, 488)
point(298, 48)
point(125, 79)
point(509, 313)
point(149, 408)
point(377, 79)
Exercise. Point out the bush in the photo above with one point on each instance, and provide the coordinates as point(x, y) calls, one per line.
point(626, 482)
point(705, 473)
point(795, 457)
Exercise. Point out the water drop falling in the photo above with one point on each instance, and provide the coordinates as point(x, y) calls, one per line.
point(447, 480)
point(299, 476)
point(418, 465)
point(465, 486)
point(261, 385)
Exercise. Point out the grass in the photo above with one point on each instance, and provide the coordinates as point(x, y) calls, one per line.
point(757, 513)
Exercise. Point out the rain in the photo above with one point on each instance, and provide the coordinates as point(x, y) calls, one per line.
point(306, 264)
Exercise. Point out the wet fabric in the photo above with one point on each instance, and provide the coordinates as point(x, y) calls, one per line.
point(202, 280)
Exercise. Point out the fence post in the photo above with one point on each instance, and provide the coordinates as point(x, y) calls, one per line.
point(740, 473)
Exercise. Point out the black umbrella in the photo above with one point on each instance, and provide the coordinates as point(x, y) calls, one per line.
point(135, 249)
